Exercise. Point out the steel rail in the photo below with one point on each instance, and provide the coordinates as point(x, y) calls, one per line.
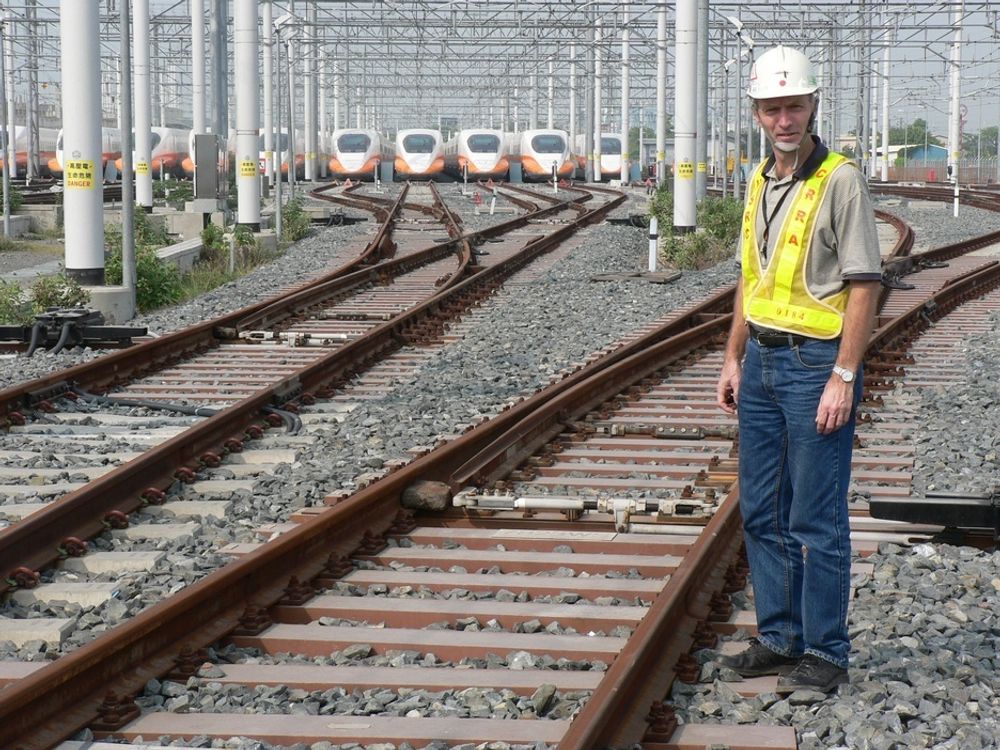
point(970, 285)
point(317, 293)
point(147, 646)
point(100, 374)
point(40, 538)
point(52, 703)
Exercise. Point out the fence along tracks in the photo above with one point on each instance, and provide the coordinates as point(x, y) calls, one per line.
point(576, 415)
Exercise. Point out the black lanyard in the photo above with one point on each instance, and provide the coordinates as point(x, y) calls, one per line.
point(769, 219)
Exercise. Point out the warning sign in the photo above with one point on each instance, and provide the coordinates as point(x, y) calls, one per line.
point(142, 167)
point(248, 168)
point(80, 173)
point(701, 167)
point(685, 170)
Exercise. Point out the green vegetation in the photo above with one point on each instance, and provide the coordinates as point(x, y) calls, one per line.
point(175, 193)
point(20, 308)
point(157, 283)
point(718, 221)
point(14, 309)
point(16, 198)
point(295, 223)
point(9, 245)
point(58, 291)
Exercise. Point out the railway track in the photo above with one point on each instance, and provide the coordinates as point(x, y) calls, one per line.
point(588, 544)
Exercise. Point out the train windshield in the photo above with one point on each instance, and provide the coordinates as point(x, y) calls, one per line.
point(353, 143)
point(419, 143)
point(154, 140)
point(548, 143)
point(483, 143)
point(611, 145)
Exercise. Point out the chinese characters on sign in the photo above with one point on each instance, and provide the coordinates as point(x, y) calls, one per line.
point(80, 173)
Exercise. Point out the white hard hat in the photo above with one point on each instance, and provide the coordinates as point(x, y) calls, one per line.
point(781, 71)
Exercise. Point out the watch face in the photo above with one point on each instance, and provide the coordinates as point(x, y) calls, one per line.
point(846, 375)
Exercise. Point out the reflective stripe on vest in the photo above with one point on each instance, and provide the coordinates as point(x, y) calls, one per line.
point(779, 297)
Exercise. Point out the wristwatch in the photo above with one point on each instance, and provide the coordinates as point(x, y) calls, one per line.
point(846, 375)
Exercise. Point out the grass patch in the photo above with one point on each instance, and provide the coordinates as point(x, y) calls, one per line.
point(9, 245)
point(212, 269)
point(718, 222)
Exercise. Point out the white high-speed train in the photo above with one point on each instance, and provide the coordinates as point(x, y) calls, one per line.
point(419, 153)
point(544, 151)
point(46, 149)
point(357, 153)
point(478, 153)
point(611, 155)
point(168, 150)
point(111, 150)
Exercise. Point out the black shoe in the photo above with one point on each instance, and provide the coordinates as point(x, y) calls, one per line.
point(758, 660)
point(812, 673)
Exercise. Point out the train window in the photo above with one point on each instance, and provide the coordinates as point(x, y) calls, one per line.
point(353, 143)
point(483, 143)
point(282, 142)
point(548, 143)
point(154, 140)
point(59, 141)
point(419, 143)
point(611, 145)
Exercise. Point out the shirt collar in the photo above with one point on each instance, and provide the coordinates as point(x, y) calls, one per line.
point(817, 157)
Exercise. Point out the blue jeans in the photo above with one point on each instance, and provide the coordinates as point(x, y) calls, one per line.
point(793, 499)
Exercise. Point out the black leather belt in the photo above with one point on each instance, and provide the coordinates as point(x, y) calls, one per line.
point(775, 338)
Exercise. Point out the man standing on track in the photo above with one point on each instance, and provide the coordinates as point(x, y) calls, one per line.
point(803, 314)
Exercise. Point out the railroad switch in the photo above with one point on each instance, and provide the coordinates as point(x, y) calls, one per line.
point(61, 328)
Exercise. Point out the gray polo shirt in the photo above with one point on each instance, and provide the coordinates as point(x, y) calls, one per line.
point(845, 243)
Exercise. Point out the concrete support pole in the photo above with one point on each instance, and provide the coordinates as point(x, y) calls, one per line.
point(217, 33)
point(724, 156)
point(336, 98)
point(885, 107)
point(598, 79)
point(33, 30)
point(358, 108)
point(9, 81)
point(324, 122)
point(572, 96)
point(129, 273)
point(308, 92)
point(626, 162)
point(245, 44)
point(701, 114)
point(738, 124)
point(955, 113)
point(83, 193)
point(143, 115)
point(685, 117)
point(6, 128)
point(550, 120)
point(661, 94)
point(198, 122)
point(267, 36)
point(533, 113)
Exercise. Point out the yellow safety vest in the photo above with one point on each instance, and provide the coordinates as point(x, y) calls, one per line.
point(779, 297)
